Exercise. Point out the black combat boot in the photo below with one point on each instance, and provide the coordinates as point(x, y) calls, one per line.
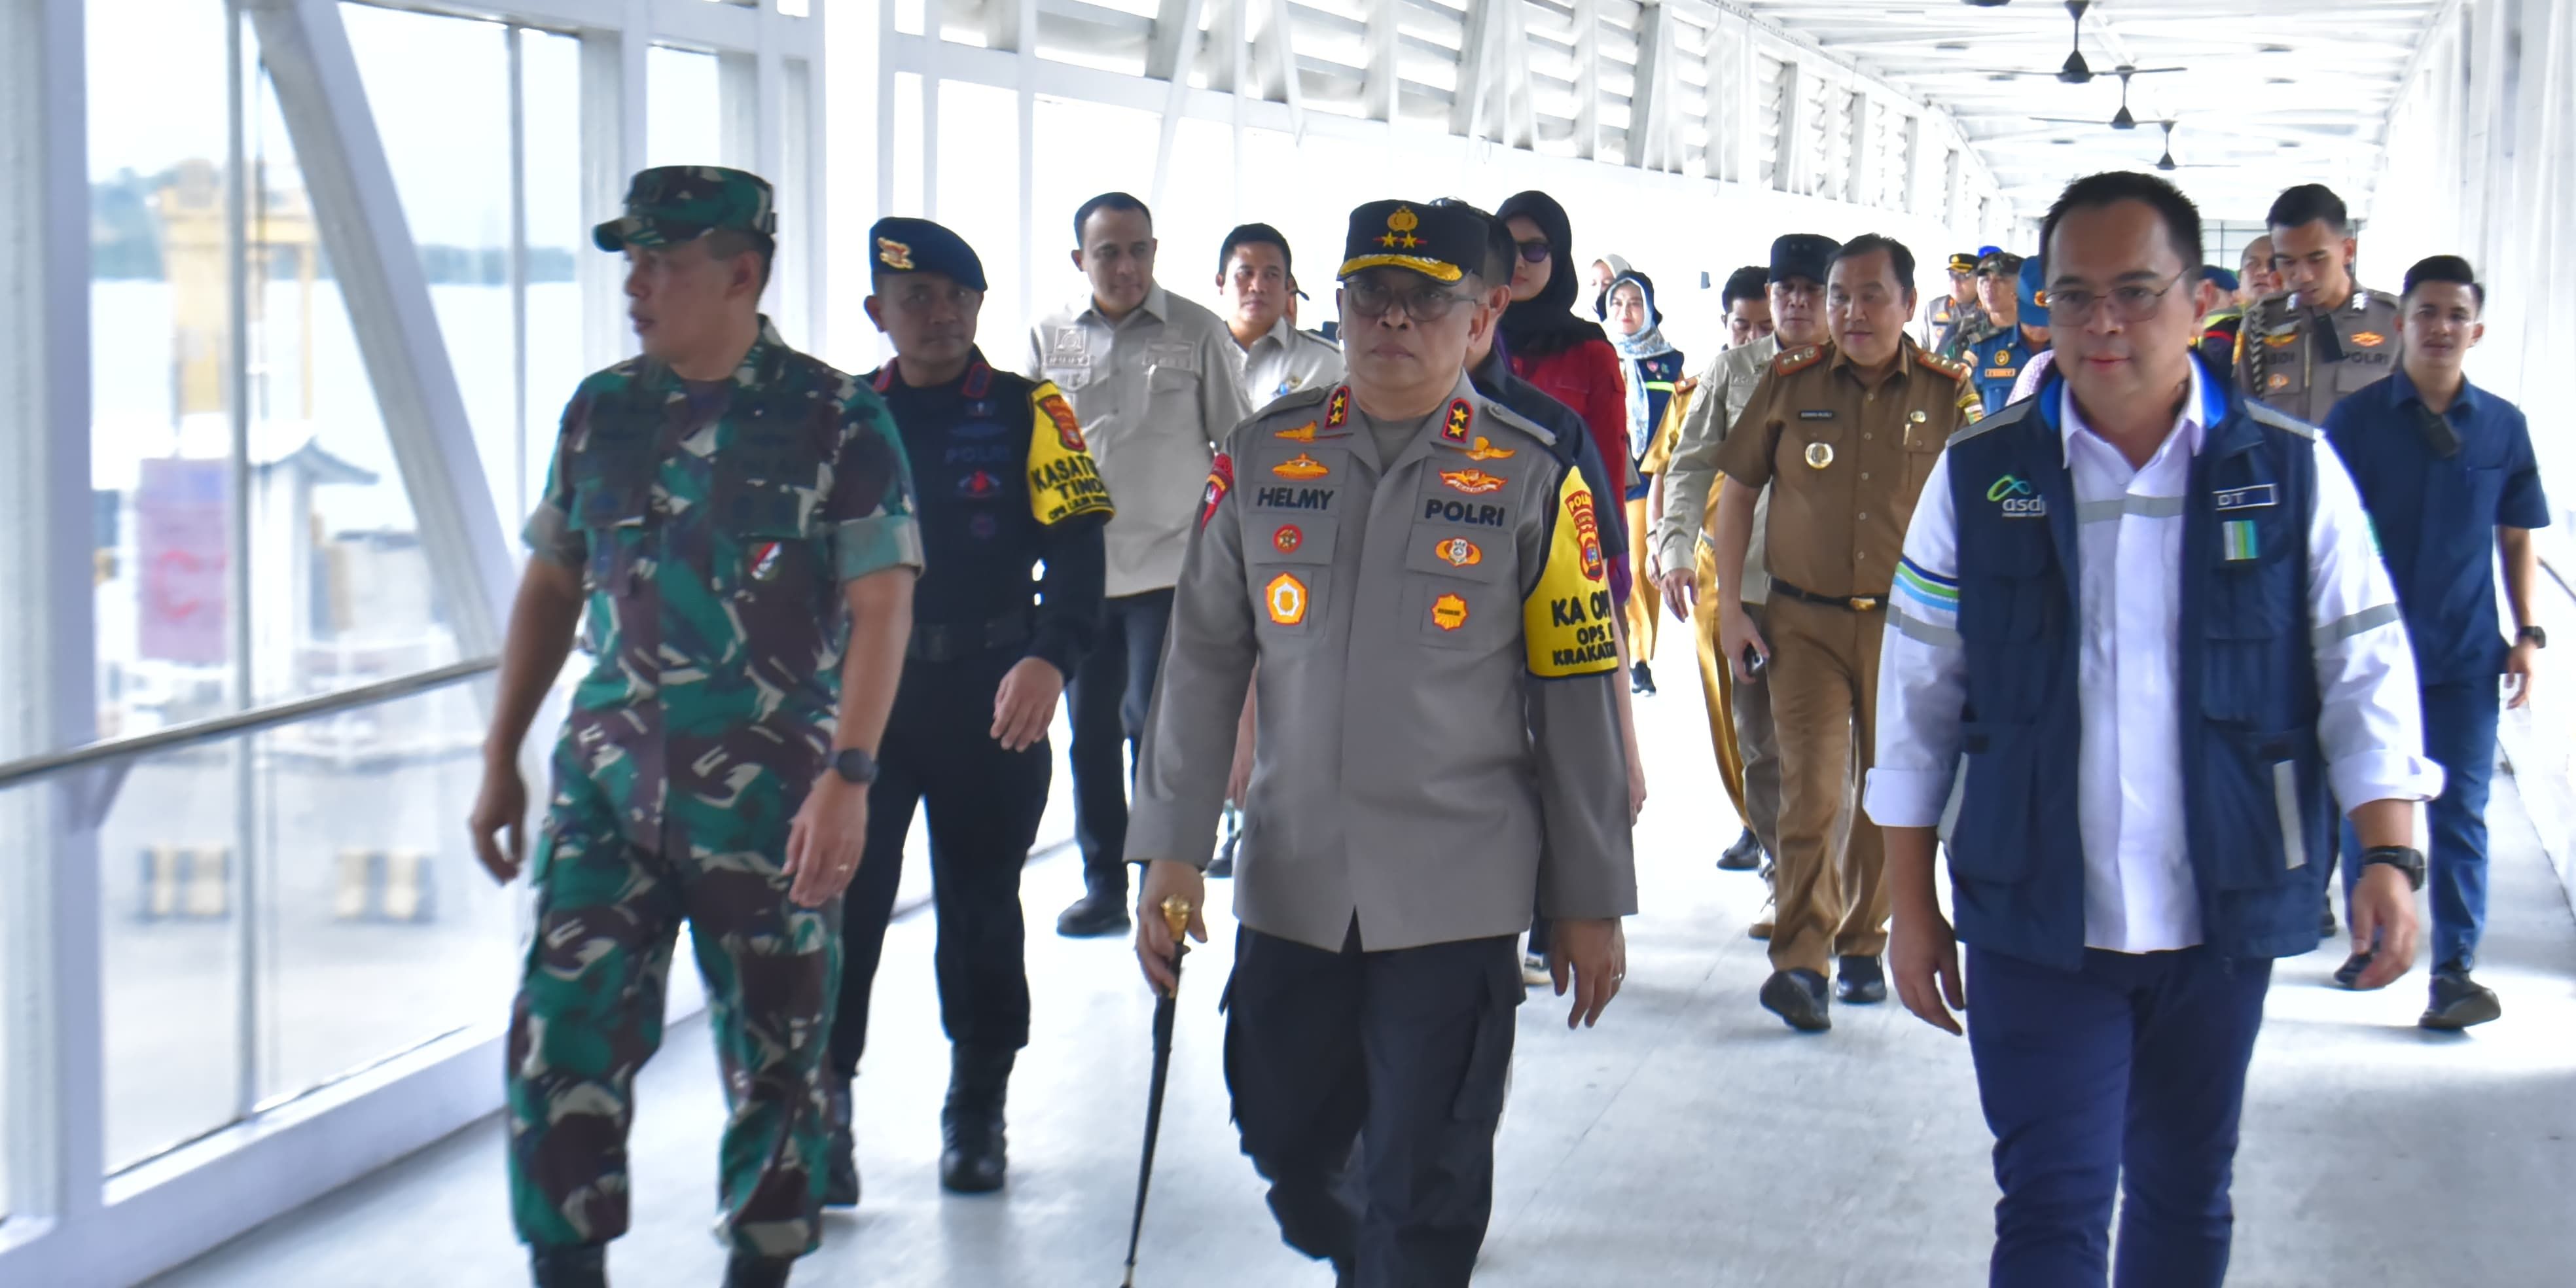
point(841, 1168)
point(976, 1158)
point(581, 1266)
point(758, 1272)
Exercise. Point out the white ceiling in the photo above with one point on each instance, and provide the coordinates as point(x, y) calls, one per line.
point(2273, 92)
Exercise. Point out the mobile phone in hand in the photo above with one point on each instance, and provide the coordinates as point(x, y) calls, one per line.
point(1754, 661)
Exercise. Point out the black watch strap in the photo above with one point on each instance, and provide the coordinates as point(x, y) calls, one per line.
point(2404, 858)
point(2538, 637)
point(855, 766)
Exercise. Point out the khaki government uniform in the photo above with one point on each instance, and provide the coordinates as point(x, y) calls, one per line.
point(2303, 361)
point(1739, 716)
point(1844, 457)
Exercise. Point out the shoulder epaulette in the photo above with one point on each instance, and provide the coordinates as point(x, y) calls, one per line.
point(1323, 339)
point(1505, 415)
point(2011, 415)
point(2266, 415)
point(1294, 399)
point(1951, 367)
point(1791, 360)
point(2364, 296)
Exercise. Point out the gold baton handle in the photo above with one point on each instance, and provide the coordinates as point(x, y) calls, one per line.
point(1176, 914)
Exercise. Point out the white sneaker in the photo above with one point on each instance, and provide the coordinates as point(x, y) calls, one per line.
point(1534, 971)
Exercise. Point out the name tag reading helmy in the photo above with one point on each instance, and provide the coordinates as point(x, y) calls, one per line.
point(2247, 498)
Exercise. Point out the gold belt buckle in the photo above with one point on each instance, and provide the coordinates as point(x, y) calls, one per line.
point(1863, 603)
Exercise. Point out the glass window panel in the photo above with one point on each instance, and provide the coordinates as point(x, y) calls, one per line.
point(380, 931)
point(439, 89)
point(791, 294)
point(169, 951)
point(1083, 150)
point(684, 120)
point(982, 204)
point(550, 85)
point(340, 582)
point(160, 360)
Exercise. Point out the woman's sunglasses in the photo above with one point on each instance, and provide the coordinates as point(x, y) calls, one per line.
point(1534, 252)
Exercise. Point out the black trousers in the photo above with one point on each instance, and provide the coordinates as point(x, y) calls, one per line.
point(1106, 706)
point(984, 805)
point(1406, 1051)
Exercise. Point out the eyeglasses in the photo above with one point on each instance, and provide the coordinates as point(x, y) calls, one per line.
point(1424, 304)
point(1535, 252)
point(2135, 302)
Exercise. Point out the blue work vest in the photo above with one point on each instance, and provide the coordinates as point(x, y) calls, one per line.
point(2258, 818)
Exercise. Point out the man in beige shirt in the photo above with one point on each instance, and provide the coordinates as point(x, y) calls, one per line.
point(1797, 297)
point(1419, 578)
point(1156, 382)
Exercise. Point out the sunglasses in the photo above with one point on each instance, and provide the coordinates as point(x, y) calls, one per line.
point(1534, 252)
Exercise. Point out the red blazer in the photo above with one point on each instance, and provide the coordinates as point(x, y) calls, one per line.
point(1586, 378)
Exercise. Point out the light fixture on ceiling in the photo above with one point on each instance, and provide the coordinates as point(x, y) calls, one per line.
point(2279, 80)
point(1952, 46)
point(2273, 49)
point(1986, 4)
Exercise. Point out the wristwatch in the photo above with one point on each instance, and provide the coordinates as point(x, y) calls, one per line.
point(2404, 858)
point(2538, 637)
point(855, 766)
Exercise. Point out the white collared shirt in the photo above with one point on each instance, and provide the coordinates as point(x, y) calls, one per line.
point(1284, 360)
point(1155, 392)
point(2139, 892)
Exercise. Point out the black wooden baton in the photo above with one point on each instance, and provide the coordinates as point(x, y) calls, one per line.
point(1176, 914)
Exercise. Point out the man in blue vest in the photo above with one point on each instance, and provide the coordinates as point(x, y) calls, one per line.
point(2149, 616)
point(2447, 472)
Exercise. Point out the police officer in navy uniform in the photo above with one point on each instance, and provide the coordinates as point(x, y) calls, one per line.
point(2148, 616)
point(1005, 484)
point(1997, 360)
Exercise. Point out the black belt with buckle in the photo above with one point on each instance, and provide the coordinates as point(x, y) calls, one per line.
point(945, 642)
point(1848, 603)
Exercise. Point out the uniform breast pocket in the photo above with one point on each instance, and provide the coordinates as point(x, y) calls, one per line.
point(2254, 593)
point(1165, 378)
point(1459, 586)
point(763, 534)
point(1070, 378)
point(1811, 445)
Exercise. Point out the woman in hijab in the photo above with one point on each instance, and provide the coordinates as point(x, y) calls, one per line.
point(1567, 357)
point(1648, 367)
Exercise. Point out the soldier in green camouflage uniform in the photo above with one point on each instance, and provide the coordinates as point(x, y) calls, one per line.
point(715, 528)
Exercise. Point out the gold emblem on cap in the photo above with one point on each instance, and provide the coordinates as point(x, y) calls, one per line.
point(1399, 229)
point(1819, 455)
point(894, 254)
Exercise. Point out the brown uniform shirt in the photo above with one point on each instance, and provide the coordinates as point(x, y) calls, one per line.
point(1845, 458)
point(2302, 360)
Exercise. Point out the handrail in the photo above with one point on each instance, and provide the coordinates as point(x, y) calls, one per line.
point(217, 728)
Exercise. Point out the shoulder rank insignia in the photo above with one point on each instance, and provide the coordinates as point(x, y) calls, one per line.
point(1337, 410)
point(1955, 370)
point(1462, 416)
point(1797, 359)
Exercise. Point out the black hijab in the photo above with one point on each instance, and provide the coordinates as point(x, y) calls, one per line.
point(1545, 323)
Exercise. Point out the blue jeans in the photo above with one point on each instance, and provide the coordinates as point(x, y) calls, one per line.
point(2127, 1075)
point(2460, 736)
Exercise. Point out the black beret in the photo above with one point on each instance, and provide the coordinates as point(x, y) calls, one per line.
point(898, 245)
point(1443, 243)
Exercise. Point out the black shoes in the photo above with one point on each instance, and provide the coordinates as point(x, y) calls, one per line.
point(758, 1272)
point(1798, 996)
point(584, 1266)
point(2459, 1001)
point(1743, 856)
point(841, 1169)
point(975, 1159)
point(2326, 927)
point(1641, 679)
point(2348, 975)
point(1100, 911)
point(1861, 982)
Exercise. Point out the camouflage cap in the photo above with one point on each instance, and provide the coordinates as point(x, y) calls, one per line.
point(671, 204)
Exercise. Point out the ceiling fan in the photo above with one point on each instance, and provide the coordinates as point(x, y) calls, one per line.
point(2166, 162)
point(2123, 119)
point(2075, 71)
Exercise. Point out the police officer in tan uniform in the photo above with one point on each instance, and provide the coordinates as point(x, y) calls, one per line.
point(1420, 579)
point(1843, 434)
point(2323, 336)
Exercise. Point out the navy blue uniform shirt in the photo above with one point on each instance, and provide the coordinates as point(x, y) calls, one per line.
point(2436, 518)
